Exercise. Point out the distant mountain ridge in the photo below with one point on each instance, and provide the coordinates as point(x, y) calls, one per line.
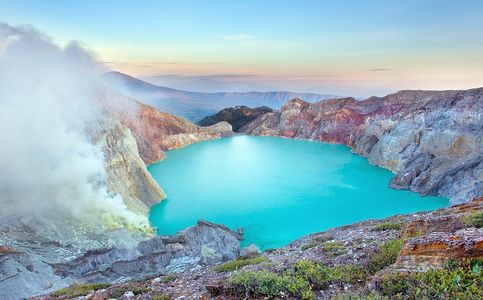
point(237, 116)
point(197, 105)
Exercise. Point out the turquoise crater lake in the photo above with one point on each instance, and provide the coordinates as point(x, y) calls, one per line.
point(277, 189)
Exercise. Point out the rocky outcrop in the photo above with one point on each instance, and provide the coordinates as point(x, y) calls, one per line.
point(157, 132)
point(435, 249)
point(439, 236)
point(201, 245)
point(237, 116)
point(431, 140)
point(127, 173)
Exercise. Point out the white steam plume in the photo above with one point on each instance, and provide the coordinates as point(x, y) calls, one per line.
point(47, 162)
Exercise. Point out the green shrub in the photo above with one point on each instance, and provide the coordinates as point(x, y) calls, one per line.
point(168, 278)
point(80, 289)
point(141, 290)
point(309, 245)
point(359, 295)
point(301, 280)
point(324, 237)
point(333, 247)
point(386, 255)
point(317, 241)
point(160, 297)
point(451, 282)
point(387, 226)
point(298, 286)
point(239, 263)
point(135, 287)
point(263, 282)
point(352, 273)
point(316, 274)
point(474, 220)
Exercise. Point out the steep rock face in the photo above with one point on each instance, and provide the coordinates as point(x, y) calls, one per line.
point(430, 139)
point(127, 173)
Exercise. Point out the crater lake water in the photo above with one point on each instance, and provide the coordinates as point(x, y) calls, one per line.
point(277, 189)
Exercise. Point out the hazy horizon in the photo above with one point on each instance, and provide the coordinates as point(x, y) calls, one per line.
point(332, 48)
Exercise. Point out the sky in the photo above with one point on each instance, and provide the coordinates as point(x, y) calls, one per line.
point(345, 47)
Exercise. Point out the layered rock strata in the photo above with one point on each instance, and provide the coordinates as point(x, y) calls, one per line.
point(201, 245)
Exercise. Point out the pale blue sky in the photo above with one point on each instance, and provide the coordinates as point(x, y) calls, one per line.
point(349, 47)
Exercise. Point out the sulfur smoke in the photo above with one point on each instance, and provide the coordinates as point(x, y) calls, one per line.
point(49, 164)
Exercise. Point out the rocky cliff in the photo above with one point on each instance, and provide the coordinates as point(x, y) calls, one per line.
point(431, 140)
point(157, 132)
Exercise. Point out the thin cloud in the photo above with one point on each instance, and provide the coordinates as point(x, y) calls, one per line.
point(240, 38)
point(380, 70)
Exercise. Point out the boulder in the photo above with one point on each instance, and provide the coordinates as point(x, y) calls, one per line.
point(250, 251)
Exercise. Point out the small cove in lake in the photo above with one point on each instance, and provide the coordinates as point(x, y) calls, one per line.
point(277, 189)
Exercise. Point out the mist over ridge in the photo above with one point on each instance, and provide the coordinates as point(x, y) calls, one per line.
point(49, 163)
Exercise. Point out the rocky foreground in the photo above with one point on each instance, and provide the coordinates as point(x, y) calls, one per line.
point(431, 140)
point(372, 258)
